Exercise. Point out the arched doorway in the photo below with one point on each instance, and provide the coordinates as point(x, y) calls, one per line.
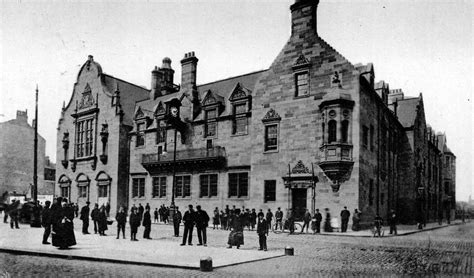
point(64, 187)
point(83, 189)
point(103, 188)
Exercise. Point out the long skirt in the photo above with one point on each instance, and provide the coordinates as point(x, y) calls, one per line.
point(236, 238)
point(64, 235)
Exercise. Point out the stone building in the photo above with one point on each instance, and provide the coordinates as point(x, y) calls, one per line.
point(92, 139)
point(311, 131)
point(16, 156)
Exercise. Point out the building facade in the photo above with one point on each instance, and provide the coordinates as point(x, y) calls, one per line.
point(312, 131)
point(92, 139)
point(16, 156)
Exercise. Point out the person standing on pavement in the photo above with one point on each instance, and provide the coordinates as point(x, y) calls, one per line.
point(85, 218)
point(202, 221)
point(236, 236)
point(223, 219)
point(134, 224)
point(327, 221)
point(14, 212)
point(141, 210)
point(95, 217)
point(189, 219)
point(156, 215)
point(215, 219)
point(262, 231)
point(46, 222)
point(345, 214)
point(316, 225)
point(176, 221)
point(356, 221)
point(147, 223)
point(306, 220)
point(269, 218)
point(279, 218)
point(392, 221)
point(121, 218)
point(102, 220)
point(253, 218)
point(107, 209)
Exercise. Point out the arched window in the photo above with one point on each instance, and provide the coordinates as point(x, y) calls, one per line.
point(332, 131)
point(83, 182)
point(344, 131)
point(64, 186)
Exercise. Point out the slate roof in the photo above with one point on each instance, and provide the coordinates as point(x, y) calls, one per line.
point(407, 111)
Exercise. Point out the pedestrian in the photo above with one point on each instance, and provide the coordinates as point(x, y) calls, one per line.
point(269, 218)
point(253, 219)
point(156, 215)
point(392, 221)
point(147, 223)
point(246, 214)
point(378, 222)
point(345, 214)
point(107, 209)
point(95, 217)
point(76, 209)
point(160, 212)
point(215, 219)
point(260, 211)
point(327, 221)
point(176, 221)
point(316, 225)
point(63, 226)
point(291, 221)
point(147, 206)
point(306, 220)
point(14, 213)
point(85, 218)
point(102, 220)
point(262, 231)
point(134, 224)
point(46, 222)
point(356, 220)
point(121, 218)
point(189, 219)
point(141, 210)
point(279, 218)
point(223, 219)
point(166, 214)
point(202, 221)
point(236, 236)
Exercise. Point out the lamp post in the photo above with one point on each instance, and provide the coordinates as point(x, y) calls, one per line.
point(174, 120)
point(35, 217)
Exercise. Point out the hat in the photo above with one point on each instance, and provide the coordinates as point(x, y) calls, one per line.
point(88, 202)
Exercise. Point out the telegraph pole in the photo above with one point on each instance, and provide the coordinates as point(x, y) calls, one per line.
point(35, 216)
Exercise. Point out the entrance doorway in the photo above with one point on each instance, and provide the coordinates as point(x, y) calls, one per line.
point(299, 196)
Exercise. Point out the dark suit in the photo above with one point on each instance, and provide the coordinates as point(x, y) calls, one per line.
point(345, 214)
point(46, 223)
point(262, 231)
point(147, 224)
point(85, 219)
point(189, 220)
point(202, 221)
point(176, 220)
point(317, 222)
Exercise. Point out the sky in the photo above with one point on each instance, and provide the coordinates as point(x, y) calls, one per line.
point(419, 46)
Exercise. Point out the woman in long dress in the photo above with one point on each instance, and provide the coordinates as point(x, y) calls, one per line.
point(63, 226)
point(236, 236)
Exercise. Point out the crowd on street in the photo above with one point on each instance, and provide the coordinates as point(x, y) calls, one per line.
point(57, 220)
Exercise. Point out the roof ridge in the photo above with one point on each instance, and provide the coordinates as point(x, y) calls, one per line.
point(228, 78)
point(120, 79)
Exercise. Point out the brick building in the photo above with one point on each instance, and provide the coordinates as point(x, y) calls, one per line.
point(16, 156)
point(92, 140)
point(313, 130)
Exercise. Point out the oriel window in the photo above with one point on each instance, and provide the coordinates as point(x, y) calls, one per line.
point(332, 127)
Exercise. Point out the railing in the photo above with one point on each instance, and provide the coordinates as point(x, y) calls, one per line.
point(190, 154)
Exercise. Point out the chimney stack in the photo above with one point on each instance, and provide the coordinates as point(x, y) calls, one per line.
point(22, 116)
point(303, 17)
point(156, 79)
point(188, 71)
point(168, 75)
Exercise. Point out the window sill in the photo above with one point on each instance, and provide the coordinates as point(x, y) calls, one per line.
point(138, 198)
point(140, 147)
point(159, 198)
point(239, 134)
point(238, 198)
point(208, 197)
point(303, 96)
point(271, 151)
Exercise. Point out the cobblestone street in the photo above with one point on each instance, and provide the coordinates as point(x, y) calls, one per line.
point(445, 251)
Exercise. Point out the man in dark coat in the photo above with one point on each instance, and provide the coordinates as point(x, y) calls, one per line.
point(327, 221)
point(95, 217)
point(392, 221)
point(85, 218)
point(269, 218)
point(46, 222)
point(134, 224)
point(147, 223)
point(306, 220)
point(279, 219)
point(121, 218)
point(345, 214)
point(189, 219)
point(253, 218)
point(262, 231)
point(14, 213)
point(141, 210)
point(317, 218)
point(202, 221)
point(155, 216)
point(176, 221)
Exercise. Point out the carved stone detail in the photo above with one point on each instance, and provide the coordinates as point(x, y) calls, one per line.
point(271, 115)
point(300, 168)
point(87, 99)
point(301, 62)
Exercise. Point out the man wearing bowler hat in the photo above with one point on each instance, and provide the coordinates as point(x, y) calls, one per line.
point(85, 218)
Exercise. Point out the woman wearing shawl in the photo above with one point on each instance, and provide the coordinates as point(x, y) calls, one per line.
point(236, 236)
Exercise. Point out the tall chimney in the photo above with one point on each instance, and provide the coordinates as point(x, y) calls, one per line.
point(156, 79)
point(303, 17)
point(188, 71)
point(168, 75)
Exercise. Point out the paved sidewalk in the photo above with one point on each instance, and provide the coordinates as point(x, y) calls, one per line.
point(162, 250)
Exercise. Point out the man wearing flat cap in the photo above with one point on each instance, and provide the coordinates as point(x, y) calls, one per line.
point(85, 218)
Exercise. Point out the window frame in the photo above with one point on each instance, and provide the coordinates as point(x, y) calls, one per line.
point(85, 135)
point(210, 121)
point(239, 186)
point(206, 182)
point(365, 136)
point(161, 131)
point(239, 116)
point(274, 147)
point(159, 188)
point(266, 185)
point(298, 85)
point(140, 188)
point(182, 187)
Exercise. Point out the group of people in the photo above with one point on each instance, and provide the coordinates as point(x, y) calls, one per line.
point(57, 220)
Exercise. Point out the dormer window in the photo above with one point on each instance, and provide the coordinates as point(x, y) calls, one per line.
point(240, 122)
point(140, 134)
point(211, 123)
point(302, 84)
